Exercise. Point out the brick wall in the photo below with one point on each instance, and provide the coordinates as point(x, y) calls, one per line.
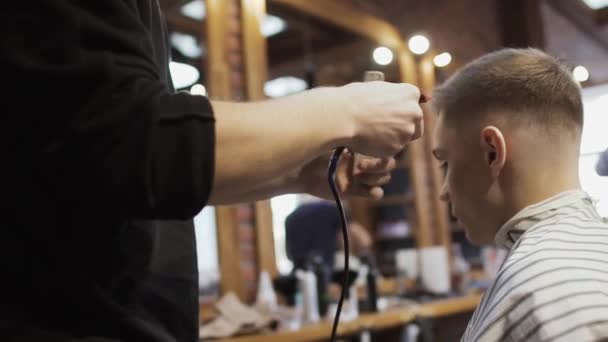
point(245, 212)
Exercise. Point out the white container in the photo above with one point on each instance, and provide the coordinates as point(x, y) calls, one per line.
point(435, 270)
point(406, 261)
point(307, 283)
point(266, 298)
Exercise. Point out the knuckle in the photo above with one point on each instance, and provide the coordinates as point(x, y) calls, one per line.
point(394, 147)
point(392, 164)
point(412, 90)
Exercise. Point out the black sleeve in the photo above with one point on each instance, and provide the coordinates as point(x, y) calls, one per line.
point(94, 125)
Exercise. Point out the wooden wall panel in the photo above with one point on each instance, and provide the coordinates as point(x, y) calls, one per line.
point(417, 162)
point(256, 74)
point(235, 224)
point(439, 211)
point(229, 251)
point(343, 14)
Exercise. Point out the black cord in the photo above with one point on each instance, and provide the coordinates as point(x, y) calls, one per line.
point(331, 175)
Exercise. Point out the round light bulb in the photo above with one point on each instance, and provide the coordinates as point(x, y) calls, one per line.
point(581, 74)
point(419, 44)
point(383, 55)
point(198, 89)
point(442, 59)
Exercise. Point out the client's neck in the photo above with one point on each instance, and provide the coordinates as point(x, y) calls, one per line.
point(541, 180)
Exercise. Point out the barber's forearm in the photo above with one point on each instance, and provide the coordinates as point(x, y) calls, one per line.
point(287, 184)
point(257, 142)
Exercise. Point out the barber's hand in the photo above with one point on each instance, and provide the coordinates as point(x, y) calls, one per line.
point(360, 177)
point(384, 116)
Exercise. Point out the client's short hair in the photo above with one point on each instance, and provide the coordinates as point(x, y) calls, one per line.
point(529, 86)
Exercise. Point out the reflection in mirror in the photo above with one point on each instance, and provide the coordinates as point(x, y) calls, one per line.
point(187, 38)
point(206, 248)
point(308, 53)
point(281, 207)
point(308, 231)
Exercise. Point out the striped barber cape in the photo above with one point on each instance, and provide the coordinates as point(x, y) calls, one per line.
point(553, 285)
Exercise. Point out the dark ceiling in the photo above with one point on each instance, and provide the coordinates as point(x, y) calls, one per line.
point(571, 30)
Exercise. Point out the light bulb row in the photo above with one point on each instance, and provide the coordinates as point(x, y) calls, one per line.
point(418, 45)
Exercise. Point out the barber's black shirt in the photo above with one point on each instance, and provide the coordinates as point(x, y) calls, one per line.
point(103, 167)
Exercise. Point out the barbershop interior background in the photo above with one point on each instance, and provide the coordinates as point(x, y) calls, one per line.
point(408, 242)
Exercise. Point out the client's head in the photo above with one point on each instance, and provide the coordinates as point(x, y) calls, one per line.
point(507, 136)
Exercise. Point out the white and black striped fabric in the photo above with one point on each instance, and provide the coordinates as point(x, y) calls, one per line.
point(553, 285)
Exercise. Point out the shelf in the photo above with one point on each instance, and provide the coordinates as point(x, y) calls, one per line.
point(378, 321)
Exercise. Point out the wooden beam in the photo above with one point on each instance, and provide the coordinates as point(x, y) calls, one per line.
point(341, 13)
point(294, 18)
point(256, 60)
point(229, 251)
point(264, 234)
point(219, 88)
point(417, 161)
point(256, 74)
point(442, 228)
point(217, 55)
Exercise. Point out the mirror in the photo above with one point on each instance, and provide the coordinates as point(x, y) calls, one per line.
point(207, 252)
point(310, 52)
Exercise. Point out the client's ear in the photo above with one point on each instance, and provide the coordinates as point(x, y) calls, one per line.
point(494, 148)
